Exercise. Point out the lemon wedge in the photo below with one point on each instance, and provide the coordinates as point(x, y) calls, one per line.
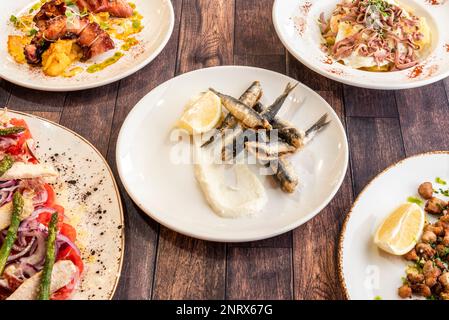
point(401, 230)
point(202, 115)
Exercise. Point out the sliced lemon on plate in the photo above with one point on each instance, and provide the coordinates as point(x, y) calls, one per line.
point(401, 230)
point(201, 115)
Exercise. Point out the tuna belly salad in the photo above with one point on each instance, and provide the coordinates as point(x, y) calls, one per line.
point(375, 35)
point(38, 255)
point(63, 36)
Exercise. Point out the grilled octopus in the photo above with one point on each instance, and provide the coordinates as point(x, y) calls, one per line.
point(53, 25)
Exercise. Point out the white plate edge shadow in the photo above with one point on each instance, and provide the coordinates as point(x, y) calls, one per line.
point(285, 229)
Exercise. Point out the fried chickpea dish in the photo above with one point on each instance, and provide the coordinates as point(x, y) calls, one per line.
point(428, 276)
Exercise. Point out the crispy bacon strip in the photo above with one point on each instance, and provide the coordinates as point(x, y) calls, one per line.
point(117, 8)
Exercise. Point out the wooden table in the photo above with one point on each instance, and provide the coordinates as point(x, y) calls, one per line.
point(382, 126)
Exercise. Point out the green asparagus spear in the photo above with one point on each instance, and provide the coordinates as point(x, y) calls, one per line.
point(12, 231)
point(6, 164)
point(11, 130)
point(44, 288)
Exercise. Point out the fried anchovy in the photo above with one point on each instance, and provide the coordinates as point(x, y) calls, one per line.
point(317, 126)
point(236, 145)
point(250, 98)
point(267, 151)
point(273, 110)
point(246, 115)
point(285, 175)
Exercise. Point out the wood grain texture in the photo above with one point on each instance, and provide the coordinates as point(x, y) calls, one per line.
point(315, 243)
point(141, 232)
point(259, 273)
point(206, 39)
point(254, 30)
point(424, 121)
point(362, 102)
point(382, 127)
point(375, 143)
point(183, 265)
point(188, 269)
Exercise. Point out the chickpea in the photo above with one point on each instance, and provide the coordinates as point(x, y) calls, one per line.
point(422, 290)
point(445, 240)
point(438, 230)
point(425, 190)
point(411, 255)
point(444, 295)
point(435, 206)
point(444, 279)
point(431, 273)
point(425, 250)
point(429, 237)
point(405, 291)
point(415, 277)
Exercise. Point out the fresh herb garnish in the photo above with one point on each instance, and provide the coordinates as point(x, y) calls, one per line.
point(136, 24)
point(418, 201)
point(377, 298)
point(104, 25)
point(14, 19)
point(440, 181)
point(32, 32)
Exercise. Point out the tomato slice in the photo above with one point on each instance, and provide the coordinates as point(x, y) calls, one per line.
point(45, 218)
point(67, 253)
point(68, 231)
point(51, 196)
point(64, 293)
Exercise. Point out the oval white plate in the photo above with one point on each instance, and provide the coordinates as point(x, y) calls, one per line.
point(365, 270)
point(92, 203)
point(296, 24)
point(169, 193)
point(158, 24)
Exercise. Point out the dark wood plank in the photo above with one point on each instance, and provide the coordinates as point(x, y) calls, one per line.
point(446, 84)
point(141, 232)
point(206, 37)
point(259, 273)
point(315, 243)
point(5, 92)
point(188, 268)
point(270, 62)
point(375, 143)
point(24, 99)
point(254, 29)
point(424, 121)
point(90, 114)
point(315, 246)
point(361, 102)
point(54, 116)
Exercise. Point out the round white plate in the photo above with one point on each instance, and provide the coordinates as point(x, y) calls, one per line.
point(158, 25)
point(169, 193)
point(366, 271)
point(92, 203)
point(297, 27)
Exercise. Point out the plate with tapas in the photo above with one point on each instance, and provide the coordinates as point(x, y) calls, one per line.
point(68, 45)
point(232, 154)
point(61, 219)
point(395, 240)
point(376, 44)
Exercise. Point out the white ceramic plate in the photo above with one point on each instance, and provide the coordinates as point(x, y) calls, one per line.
point(169, 193)
point(296, 25)
point(365, 270)
point(92, 203)
point(158, 24)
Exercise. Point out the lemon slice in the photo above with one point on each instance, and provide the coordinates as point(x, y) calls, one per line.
point(400, 231)
point(202, 115)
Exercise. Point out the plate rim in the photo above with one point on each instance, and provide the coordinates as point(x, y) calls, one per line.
point(116, 188)
point(245, 239)
point(105, 81)
point(341, 239)
point(373, 85)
